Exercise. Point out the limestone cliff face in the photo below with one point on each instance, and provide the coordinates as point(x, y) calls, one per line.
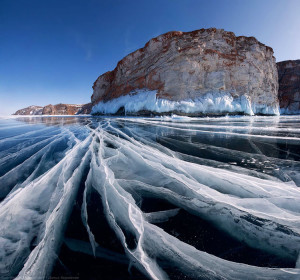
point(289, 86)
point(187, 65)
point(58, 109)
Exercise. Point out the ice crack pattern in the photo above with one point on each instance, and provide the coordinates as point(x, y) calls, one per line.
point(150, 198)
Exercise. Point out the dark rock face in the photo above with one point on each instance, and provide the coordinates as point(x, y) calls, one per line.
point(289, 86)
point(58, 109)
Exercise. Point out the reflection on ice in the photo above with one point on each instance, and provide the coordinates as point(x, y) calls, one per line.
point(168, 198)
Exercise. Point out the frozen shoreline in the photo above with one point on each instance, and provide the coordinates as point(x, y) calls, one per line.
point(214, 103)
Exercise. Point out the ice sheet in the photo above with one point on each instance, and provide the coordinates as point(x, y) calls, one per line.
point(183, 162)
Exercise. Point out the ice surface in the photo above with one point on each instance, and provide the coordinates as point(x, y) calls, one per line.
point(240, 175)
point(214, 102)
point(287, 111)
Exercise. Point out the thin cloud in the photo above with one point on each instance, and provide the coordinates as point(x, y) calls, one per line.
point(84, 44)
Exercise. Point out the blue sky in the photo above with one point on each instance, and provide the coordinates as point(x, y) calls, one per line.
point(52, 51)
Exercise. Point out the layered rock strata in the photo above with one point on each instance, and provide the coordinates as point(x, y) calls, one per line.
point(289, 86)
point(212, 70)
point(58, 109)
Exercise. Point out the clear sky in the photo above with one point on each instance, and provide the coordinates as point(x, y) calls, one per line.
point(51, 51)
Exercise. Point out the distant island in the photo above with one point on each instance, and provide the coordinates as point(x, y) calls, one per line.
point(203, 72)
point(58, 109)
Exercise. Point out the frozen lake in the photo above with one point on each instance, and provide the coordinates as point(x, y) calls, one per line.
point(150, 198)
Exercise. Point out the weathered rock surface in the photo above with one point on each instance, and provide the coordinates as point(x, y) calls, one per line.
point(182, 66)
point(58, 109)
point(289, 86)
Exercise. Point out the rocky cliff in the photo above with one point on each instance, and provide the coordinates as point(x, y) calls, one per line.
point(31, 110)
point(289, 86)
point(203, 71)
point(58, 109)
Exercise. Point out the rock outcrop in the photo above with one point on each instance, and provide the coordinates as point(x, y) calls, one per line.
point(289, 86)
point(31, 110)
point(220, 71)
point(58, 109)
point(85, 109)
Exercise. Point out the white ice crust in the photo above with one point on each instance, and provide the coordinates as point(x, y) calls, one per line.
point(210, 103)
